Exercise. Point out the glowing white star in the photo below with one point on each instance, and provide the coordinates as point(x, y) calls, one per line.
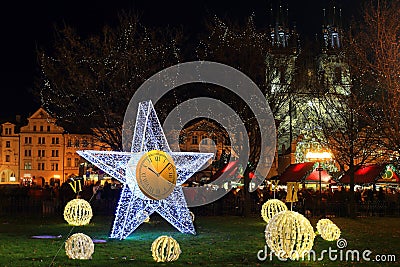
point(134, 207)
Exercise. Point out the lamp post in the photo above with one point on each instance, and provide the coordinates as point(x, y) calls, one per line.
point(319, 156)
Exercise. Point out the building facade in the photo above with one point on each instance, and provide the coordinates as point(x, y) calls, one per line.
point(41, 152)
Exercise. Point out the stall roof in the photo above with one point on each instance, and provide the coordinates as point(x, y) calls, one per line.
point(296, 172)
point(314, 176)
point(365, 174)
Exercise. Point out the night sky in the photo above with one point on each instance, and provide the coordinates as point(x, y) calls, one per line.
point(26, 25)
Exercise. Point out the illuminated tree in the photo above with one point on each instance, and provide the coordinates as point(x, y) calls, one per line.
point(375, 42)
point(247, 49)
point(341, 125)
point(88, 81)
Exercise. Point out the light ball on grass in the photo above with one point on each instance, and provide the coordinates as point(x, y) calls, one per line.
point(322, 223)
point(79, 246)
point(165, 249)
point(272, 207)
point(330, 232)
point(289, 235)
point(78, 212)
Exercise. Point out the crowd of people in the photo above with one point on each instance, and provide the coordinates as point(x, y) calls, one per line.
point(310, 201)
point(335, 200)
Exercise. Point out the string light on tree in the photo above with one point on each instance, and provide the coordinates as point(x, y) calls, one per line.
point(165, 249)
point(79, 246)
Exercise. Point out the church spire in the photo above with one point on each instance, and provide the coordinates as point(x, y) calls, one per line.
point(331, 27)
point(279, 27)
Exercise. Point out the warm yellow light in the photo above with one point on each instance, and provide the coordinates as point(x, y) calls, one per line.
point(192, 216)
point(57, 176)
point(79, 246)
point(318, 155)
point(328, 230)
point(289, 235)
point(165, 249)
point(322, 223)
point(78, 212)
point(272, 207)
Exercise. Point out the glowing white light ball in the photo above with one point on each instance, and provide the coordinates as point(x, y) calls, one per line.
point(79, 246)
point(78, 212)
point(272, 207)
point(289, 235)
point(165, 249)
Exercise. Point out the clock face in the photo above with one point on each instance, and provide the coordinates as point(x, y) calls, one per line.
point(156, 174)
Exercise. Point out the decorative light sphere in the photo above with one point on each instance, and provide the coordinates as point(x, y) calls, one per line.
point(78, 212)
point(165, 249)
point(272, 207)
point(328, 230)
point(79, 246)
point(322, 223)
point(289, 235)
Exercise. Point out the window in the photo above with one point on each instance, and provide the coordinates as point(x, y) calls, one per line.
point(54, 153)
point(8, 144)
point(69, 143)
point(41, 153)
point(28, 166)
point(204, 140)
point(215, 139)
point(55, 140)
point(8, 131)
point(34, 128)
point(194, 140)
point(41, 166)
point(28, 153)
point(68, 162)
point(227, 142)
point(85, 143)
point(54, 166)
point(48, 128)
point(337, 78)
point(41, 141)
point(28, 140)
point(182, 139)
point(76, 162)
point(7, 158)
point(41, 128)
point(282, 75)
point(77, 144)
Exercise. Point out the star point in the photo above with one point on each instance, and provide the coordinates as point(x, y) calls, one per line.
point(133, 206)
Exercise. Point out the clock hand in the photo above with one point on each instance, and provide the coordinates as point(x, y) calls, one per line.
point(165, 167)
point(153, 171)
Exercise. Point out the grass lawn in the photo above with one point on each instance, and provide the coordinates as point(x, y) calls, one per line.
point(220, 241)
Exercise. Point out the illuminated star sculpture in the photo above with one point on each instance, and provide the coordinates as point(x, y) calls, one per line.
point(134, 207)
